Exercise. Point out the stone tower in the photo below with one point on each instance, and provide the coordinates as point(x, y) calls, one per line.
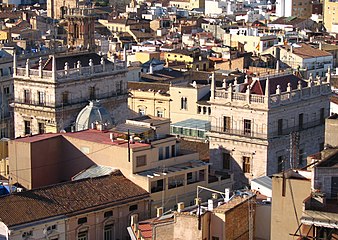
point(58, 8)
point(80, 28)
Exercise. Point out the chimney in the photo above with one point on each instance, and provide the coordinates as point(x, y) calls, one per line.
point(159, 211)
point(210, 204)
point(227, 195)
point(320, 46)
point(134, 220)
point(180, 206)
point(151, 70)
point(197, 201)
point(111, 137)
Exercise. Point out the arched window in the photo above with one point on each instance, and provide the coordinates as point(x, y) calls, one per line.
point(199, 109)
point(142, 110)
point(184, 102)
point(160, 112)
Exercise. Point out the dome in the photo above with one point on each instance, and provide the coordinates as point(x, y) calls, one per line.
point(93, 113)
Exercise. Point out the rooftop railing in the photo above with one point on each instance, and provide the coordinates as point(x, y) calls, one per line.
point(68, 73)
point(313, 90)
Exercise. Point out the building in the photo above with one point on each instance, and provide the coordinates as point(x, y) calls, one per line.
point(329, 15)
point(310, 61)
point(294, 8)
point(48, 95)
point(251, 39)
point(331, 126)
point(152, 159)
point(187, 4)
point(57, 9)
point(91, 208)
point(253, 124)
point(288, 193)
point(219, 218)
point(80, 32)
point(320, 212)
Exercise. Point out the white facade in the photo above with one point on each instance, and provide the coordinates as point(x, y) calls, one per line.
point(53, 228)
point(214, 7)
point(284, 8)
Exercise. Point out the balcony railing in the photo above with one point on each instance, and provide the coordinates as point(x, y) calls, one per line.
point(237, 132)
point(272, 134)
point(298, 128)
point(72, 101)
point(62, 75)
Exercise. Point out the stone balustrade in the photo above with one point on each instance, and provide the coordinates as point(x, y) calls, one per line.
point(277, 99)
point(67, 73)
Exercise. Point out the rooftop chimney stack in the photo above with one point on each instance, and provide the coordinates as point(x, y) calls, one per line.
point(159, 211)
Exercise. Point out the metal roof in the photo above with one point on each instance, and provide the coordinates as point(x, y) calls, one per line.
point(94, 171)
point(191, 123)
point(156, 172)
point(264, 181)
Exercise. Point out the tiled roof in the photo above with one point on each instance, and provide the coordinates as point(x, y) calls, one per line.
point(68, 198)
point(72, 59)
point(288, 20)
point(304, 50)
point(259, 86)
point(145, 86)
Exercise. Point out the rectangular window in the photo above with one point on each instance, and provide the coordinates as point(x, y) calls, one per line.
point(173, 150)
point(82, 220)
point(141, 161)
point(300, 120)
point(322, 115)
point(108, 232)
point(65, 98)
point(41, 98)
point(226, 124)
point(247, 126)
point(92, 92)
point(82, 235)
point(184, 102)
point(108, 214)
point(157, 186)
point(6, 90)
point(280, 126)
point(167, 152)
point(280, 163)
point(41, 128)
point(246, 165)
point(133, 207)
point(160, 153)
point(226, 161)
point(27, 127)
point(142, 111)
point(26, 96)
point(159, 113)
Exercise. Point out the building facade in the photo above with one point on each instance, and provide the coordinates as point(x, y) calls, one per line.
point(257, 131)
point(49, 94)
point(82, 209)
point(330, 17)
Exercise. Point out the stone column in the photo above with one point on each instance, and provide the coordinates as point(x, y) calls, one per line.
point(40, 67)
point(27, 68)
point(212, 87)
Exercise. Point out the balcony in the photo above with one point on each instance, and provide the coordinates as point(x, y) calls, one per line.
point(72, 73)
point(305, 126)
point(70, 102)
point(241, 133)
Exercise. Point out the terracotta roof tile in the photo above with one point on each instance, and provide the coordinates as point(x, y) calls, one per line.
point(68, 198)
